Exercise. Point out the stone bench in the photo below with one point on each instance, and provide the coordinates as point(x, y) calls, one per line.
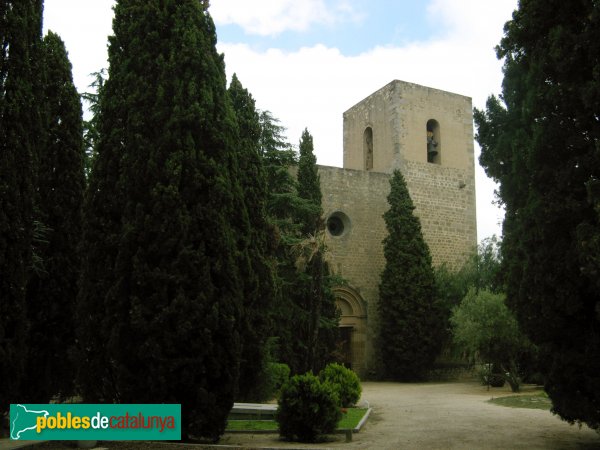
point(256, 411)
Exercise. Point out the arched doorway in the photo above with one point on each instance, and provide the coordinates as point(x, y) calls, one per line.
point(353, 327)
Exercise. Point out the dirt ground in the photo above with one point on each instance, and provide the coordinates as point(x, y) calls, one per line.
point(445, 416)
point(426, 416)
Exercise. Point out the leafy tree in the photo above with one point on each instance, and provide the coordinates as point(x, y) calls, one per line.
point(409, 318)
point(255, 242)
point(161, 277)
point(540, 141)
point(487, 331)
point(21, 135)
point(481, 271)
point(52, 288)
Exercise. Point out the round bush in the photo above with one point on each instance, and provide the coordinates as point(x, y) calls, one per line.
point(278, 373)
point(307, 409)
point(345, 381)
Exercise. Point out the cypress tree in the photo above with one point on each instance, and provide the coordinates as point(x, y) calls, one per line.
point(314, 316)
point(172, 296)
point(255, 244)
point(540, 140)
point(20, 137)
point(409, 319)
point(52, 290)
point(309, 185)
point(312, 291)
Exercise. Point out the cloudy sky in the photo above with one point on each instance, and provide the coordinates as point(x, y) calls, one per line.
point(308, 61)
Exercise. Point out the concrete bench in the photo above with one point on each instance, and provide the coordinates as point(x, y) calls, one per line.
point(256, 411)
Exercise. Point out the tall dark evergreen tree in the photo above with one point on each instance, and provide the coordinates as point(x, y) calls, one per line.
point(312, 289)
point(255, 242)
point(309, 185)
point(161, 275)
point(410, 321)
point(305, 317)
point(21, 135)
point(52, 288)
point(278, 157)
point(314, 317)
point(90, 127)
point(541, 142)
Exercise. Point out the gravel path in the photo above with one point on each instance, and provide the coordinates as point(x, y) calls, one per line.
point(427, 416)
point(447, 416)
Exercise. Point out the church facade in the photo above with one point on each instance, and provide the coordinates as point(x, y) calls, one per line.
point(428, 135)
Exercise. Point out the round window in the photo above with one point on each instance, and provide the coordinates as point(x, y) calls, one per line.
point(338, 224)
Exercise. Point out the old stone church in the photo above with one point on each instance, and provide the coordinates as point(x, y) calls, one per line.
point(428, 135)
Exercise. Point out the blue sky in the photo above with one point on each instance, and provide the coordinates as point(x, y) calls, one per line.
point(307, 61)
point(370, 24)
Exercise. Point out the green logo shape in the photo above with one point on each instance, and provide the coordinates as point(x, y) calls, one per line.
point(85, 421)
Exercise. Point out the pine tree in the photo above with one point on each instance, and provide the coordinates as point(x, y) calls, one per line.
point(172, 297)
point(52, 290)
point(409, 319)
point(90, 127)
point(20, 138)
point(540, 142)
point(278, 157)
point(255, 243)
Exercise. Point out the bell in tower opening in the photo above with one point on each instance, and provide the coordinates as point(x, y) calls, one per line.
point(431, 147)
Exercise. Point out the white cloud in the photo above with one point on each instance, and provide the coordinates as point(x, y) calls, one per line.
point(313, 86)
point(271, 17)
point(84, 26)
point(468, 18)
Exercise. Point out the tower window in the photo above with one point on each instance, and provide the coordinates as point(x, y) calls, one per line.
point(433, 142)
point(338, 224)
point(368, 148)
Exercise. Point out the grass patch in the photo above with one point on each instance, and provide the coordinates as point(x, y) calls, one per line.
point(349, 420)
point(536, 401)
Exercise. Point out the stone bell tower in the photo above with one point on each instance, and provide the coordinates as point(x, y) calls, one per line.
point(428, 135)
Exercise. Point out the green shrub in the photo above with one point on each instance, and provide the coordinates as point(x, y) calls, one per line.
point(271, 379)
point(345, 381)
point(307, 409)
point(278, 374)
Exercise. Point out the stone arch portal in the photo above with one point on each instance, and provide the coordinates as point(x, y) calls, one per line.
point(353, 328)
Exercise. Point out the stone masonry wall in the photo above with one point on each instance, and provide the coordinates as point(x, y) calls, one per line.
point(443, 199)
point(357, 255)
point(443, 191)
